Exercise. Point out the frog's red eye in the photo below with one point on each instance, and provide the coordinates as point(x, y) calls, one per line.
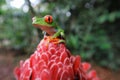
point(48, 19)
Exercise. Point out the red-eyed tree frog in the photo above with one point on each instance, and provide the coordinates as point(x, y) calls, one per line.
point(49, 26)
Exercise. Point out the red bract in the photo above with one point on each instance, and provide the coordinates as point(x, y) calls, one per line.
point(53, 61)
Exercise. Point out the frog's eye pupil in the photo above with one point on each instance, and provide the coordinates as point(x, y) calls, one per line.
point(48, 19)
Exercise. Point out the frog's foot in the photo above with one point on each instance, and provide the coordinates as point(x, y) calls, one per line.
point(59, 41)
point(56, 40)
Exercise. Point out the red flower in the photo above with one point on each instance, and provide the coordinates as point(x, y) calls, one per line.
point(53, 61)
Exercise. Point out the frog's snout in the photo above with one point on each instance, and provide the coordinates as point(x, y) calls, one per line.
point(33, 19)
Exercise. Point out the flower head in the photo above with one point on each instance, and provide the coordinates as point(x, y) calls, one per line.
point(53, 61)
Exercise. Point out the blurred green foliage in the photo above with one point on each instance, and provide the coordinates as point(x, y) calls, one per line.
point(91, 27)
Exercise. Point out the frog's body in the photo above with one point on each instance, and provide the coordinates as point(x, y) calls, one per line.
point(49, 26)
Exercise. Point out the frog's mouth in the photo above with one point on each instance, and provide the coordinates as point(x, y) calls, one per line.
point(49, 30)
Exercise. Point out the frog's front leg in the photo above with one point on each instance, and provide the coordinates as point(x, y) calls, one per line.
point(58, 33)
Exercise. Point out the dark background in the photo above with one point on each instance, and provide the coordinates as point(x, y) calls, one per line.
point(92, 29)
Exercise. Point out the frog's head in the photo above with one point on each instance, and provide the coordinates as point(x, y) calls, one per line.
point(46, 21)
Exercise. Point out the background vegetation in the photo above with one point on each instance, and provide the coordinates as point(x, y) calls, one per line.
point(92, 27)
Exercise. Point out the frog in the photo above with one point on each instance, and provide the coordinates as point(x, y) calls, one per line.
point(48, 25)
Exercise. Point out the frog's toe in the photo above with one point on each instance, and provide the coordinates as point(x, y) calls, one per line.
point(61, 41)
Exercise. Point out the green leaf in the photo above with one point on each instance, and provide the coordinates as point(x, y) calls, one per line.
point(112, 16)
